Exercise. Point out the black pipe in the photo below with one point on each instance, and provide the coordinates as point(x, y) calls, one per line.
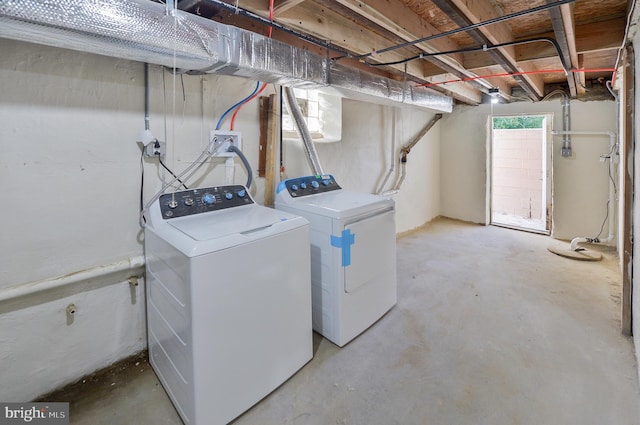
point(484, 48)
point(464, 29)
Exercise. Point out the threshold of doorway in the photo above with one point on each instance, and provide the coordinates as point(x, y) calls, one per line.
point(520, 228)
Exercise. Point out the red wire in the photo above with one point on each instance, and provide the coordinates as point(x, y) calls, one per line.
point(233, 117)
point(264, 85)
point(511, 74)
point(270, 16)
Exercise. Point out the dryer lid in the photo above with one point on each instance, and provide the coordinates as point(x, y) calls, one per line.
point(341, 203)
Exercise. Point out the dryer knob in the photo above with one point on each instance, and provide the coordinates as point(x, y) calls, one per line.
point(303, 185)
point(208, 199)
point(228, 195)
point(242, 193)
point(315, 184)
point(326, 182)
point(294, 187)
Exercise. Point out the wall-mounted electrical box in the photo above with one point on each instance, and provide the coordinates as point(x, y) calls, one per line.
point(224, 139)
point(155, 149)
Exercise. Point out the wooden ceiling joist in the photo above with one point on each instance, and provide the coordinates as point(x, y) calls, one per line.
point(468, 12)
point(285, 5)
point(564, 38)
point(405, 39)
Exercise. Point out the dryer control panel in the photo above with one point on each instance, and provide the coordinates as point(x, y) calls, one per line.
point(309, 185)
point(202, 200)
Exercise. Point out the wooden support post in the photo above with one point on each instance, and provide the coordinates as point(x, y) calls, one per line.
point(271, 149)
point(628, 158)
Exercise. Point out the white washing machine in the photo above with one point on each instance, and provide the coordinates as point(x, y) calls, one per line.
point(228, 300)
point(353, 253)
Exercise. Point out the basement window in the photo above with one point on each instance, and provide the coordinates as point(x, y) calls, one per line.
point(322, 114)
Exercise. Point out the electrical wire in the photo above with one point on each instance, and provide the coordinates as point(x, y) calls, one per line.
point(247, 100)
point(464, 29)
point(142, 219)
point(270, 17)
point(485, 48)
point(221, 120)
point(615, 189)
point(597, 238)
point(247, 14)
point(624, 42)
point(511, 74)
point(171, 172)
point(209, 151)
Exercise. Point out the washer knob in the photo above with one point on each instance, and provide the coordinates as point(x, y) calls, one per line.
point(188, 202)
point(303, 185)
point(208, 199)
point(326, 182)
point(294, 187)
point(315, 184)
point(242, 193)
point(228, 195)
point(173, 203)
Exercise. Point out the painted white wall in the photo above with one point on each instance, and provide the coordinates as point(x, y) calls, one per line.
point(580, 183)
point(68, 126)
point(71, 171)
point(361, 160)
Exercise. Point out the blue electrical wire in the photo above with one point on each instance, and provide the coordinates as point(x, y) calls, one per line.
point(235, 106)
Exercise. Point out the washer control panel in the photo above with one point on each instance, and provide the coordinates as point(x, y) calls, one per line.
point(310, 185)
point(202, 200)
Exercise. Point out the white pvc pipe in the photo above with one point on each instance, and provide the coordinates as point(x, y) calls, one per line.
point(611, 207)
point(230, 168)
point(396, 187)
point(31, 288)
point(392, 160)
point(584, 133)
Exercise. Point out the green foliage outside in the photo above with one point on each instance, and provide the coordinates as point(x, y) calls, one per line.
point(509, 123)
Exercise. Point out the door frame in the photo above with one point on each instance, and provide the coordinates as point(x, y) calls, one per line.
point(547, 160)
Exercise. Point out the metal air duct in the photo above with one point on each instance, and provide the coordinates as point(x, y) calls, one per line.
point(141, 30)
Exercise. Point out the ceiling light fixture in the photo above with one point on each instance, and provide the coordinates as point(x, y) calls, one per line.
point(494, 93)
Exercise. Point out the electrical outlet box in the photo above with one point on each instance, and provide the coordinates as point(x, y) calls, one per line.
point(155, 148)
point(224, 139)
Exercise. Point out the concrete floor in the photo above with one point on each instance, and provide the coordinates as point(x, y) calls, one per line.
point(490, 328)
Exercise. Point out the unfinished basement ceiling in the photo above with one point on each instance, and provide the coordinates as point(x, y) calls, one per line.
point(581, 36)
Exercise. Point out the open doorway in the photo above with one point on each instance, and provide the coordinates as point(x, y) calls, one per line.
point(521, 172)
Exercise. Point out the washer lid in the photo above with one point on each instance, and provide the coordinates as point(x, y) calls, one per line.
point(218, 224)
point(340, 203)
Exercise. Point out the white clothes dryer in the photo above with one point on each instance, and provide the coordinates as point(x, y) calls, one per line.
point(228, 300)
point(353, 253)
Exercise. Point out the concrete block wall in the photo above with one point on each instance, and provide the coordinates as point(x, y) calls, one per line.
point(580, 183)
point(517, 173)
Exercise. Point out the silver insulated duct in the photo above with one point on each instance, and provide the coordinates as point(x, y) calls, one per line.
point(141, 30)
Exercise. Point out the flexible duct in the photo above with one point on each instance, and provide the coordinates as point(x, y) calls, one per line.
point(303, 131)
point(141, 30)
